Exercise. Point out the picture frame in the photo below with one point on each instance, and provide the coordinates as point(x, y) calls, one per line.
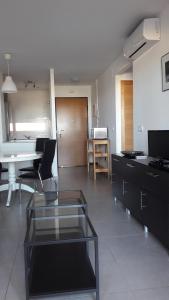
point(165, 71)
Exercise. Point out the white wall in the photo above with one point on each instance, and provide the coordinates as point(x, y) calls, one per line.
point(151, 105)
point(94, 104)
point(2, 119)
point(11, 146)
point(107, 97)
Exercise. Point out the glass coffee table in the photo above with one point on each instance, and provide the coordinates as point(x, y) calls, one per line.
point(44, 204)
point(61, 251)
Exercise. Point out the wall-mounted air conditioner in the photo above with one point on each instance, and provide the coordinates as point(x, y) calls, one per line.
point(144, 37)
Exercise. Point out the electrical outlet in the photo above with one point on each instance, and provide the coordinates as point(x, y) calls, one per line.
point(140, 128)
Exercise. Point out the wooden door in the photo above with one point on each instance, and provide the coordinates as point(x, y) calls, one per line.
point(127, 114)
point(72, 125)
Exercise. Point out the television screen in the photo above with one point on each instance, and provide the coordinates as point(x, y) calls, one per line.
point(167, 71)
point(158, 144)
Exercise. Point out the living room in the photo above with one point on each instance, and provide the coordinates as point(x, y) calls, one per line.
point(67, 50)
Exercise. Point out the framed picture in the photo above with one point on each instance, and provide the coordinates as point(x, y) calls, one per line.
point(165, 72)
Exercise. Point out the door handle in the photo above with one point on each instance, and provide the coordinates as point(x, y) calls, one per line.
point(123, 187)
point(130, 165)
point(115, 159)
point(60, 132)
point(152, 174)
point(142, 204)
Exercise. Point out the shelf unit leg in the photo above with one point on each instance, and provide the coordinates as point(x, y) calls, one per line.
point(88, 167)
point(108, 159)
point(97, 269)
point(94, 161)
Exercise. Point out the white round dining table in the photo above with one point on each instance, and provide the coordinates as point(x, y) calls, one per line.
point(12, 159)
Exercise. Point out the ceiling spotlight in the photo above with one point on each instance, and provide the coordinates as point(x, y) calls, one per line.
point(8, 85)
point(31, 84)
point(74, 79)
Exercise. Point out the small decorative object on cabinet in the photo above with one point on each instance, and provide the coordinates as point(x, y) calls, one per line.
point(99, 150)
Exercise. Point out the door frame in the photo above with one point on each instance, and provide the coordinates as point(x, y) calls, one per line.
point(56, 91)
point(87, 100)
point(123, 76)
point(123, 112)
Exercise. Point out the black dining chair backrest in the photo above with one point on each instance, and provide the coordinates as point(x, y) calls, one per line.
point(3, 169)
point(40, 147)
point(40, 144)
point(45, 167)
point(0, 169)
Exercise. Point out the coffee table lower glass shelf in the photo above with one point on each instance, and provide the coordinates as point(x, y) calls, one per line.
point(61, 257)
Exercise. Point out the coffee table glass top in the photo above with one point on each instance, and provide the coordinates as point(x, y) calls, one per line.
point(61, 198)
point(59, 229)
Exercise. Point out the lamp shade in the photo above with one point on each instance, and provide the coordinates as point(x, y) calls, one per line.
point(8, 86)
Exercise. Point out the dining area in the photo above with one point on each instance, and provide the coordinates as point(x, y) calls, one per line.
point(19, 177)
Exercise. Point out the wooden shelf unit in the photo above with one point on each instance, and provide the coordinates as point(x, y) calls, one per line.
point(98, 149)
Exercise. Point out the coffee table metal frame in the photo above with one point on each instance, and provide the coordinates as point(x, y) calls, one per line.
point(31, 245)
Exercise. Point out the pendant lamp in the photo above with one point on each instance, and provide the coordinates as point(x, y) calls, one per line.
point(8, 85)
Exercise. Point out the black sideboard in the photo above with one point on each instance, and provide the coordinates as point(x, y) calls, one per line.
point(144, 191)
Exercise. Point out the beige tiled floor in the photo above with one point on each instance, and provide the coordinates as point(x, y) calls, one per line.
point(132, 266)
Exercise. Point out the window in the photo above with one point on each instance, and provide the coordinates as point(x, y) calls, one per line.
point(27, 115)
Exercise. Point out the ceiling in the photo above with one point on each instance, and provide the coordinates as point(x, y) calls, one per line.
point(78, 38)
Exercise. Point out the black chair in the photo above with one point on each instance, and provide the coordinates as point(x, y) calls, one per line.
point(40, 146)
point(44, 170)
point(3, 170)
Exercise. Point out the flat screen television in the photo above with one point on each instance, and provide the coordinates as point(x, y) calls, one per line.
point(158, 144)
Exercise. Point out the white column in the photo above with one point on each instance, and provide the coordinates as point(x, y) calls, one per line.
point(52, 104)
point(53, 119)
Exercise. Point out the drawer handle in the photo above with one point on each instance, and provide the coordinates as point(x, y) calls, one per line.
point(142, 204)
point(152, 174)
point(130, 166)
point(115, 159)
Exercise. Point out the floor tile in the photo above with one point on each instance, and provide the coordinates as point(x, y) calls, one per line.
point(5, 271)
point(127, 228)
point(112, 277)
point(118, 296)
point(8, 247)
point(147, 274)
point(16, 288)
point(152, 294)
point(132, 249)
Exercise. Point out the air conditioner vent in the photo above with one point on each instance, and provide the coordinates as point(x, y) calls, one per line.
point(137, 50)
point(144, 37)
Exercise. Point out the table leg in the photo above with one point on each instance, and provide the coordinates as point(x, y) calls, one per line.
point(12, 181)
point(27, 188)
point(9, 196)
point(13, 185)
